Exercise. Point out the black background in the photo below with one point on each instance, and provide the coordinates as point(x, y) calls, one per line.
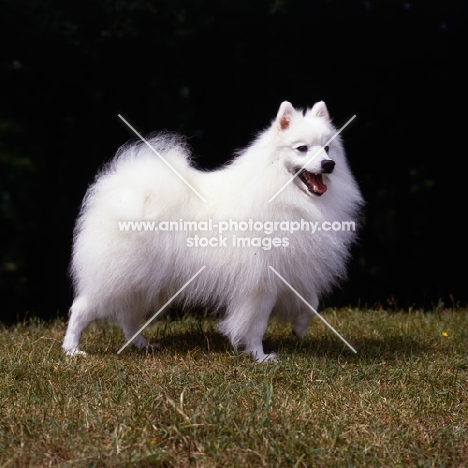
point(217, 71)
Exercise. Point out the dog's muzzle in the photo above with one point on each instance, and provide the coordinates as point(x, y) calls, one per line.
point(314, 181)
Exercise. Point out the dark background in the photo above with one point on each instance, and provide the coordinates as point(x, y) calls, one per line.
point(217, 71)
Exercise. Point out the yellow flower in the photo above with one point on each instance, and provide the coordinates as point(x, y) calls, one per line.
point(444, 333)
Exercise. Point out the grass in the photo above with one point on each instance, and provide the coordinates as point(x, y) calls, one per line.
point(400, 401)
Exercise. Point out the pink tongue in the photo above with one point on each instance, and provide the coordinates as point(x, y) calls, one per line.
point(315, 183)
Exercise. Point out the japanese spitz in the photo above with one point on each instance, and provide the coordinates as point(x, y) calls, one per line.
point(266, 227)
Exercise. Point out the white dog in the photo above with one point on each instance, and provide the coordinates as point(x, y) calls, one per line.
point(294, 174)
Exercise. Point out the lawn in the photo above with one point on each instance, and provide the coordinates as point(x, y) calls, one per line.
point(400, 401)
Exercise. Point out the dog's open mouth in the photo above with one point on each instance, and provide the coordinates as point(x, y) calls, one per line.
point(313, 182)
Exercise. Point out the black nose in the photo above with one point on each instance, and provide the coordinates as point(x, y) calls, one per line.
point(327, 166)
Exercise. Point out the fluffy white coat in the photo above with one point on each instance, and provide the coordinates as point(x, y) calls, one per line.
point(126, 275)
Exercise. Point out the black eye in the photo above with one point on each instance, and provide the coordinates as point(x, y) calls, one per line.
point(326, 148)
point(302, 149)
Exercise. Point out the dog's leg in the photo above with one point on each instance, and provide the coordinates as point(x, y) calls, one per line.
point(253, 340)
point(301, 322)
point(80, 317)
point(131, 325)
point(246, 323)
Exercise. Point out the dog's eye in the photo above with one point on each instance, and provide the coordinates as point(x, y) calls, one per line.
point(302, 149)
point(326, 148)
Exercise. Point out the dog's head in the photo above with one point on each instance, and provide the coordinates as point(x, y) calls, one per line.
point(309, 145)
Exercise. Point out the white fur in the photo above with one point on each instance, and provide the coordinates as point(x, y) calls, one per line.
point(126, 276)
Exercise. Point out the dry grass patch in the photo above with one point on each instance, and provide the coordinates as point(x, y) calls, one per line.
point(400, 401)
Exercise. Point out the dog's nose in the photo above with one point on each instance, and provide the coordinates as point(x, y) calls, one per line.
point(327, 166)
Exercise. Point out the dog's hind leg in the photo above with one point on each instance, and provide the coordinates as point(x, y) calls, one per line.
point(132, 309)
point(301, 322)
point(80, 317)
point(131, 325)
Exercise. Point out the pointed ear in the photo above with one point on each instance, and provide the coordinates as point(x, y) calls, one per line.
point(285, 113)
point(320, 110)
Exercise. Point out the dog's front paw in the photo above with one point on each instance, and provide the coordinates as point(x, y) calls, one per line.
point(271, 357)
point(261, 357)
point(75, 352)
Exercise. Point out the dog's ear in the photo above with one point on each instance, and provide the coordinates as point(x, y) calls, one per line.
point(319, 109)
point(285, 113)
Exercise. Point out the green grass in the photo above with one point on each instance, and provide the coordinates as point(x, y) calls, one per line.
point(400, 401)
